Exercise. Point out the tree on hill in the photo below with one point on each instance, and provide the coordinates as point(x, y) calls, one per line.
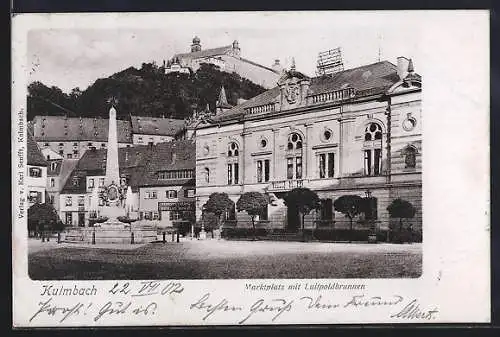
point(218, 204)
point(350, 206)
point(253, 203)
point(304, 200)
point(147, 91)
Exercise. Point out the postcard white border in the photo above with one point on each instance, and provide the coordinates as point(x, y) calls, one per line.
point(456, 245)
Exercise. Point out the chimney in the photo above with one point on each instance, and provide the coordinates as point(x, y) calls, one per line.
point(402, 67)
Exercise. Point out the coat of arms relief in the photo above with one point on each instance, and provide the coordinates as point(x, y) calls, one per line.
point(292, 93)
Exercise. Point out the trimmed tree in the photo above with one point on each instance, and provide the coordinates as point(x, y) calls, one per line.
point(350, 206)
point(304, 200)
point(218, 204)
point(400, 208)
point(43, 217)
point(252, 203)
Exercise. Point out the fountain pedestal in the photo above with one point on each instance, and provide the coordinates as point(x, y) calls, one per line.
point(112, 213)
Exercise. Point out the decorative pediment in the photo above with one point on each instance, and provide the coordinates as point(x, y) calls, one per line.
point(294, 87)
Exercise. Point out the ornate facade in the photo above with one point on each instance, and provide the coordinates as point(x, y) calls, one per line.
point(354, 132)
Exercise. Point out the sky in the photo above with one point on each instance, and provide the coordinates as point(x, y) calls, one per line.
point(74, 51)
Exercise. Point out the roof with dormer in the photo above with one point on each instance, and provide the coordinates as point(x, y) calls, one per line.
point(374, 78)
point(140, 163)
point(62, 128)
point(156, 125)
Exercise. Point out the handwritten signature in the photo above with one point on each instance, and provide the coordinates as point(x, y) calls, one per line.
point(275, 308)
point(52, 310)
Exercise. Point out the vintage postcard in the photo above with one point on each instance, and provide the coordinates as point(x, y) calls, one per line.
point(243, 168)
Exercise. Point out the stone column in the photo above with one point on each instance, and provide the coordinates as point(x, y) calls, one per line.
point(112, 169)
point(308, 151)
point(275, 152)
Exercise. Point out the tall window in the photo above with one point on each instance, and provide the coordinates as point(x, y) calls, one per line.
point(373, 150)
point(101, 181)
point(263, 167)
point(207, 175)
point(294, 157)
point(171, 194)
point(91, 182)
point(69, 201)
point(232, 164)
point(81, 200)
point(326, 165)
point(52, 182)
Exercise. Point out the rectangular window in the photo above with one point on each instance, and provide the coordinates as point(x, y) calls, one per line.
point(81, 200)
point(52, 182)
point(150, 195)
point(266, 170)
point(229, 174)
point(156, 216)
point(259, 171)
point(368, 162)
point(69, 218)
point(331, 165)
point(171, 194)
point(101, 182)
point(322, 165)
point(51, 199)
point(377, 161)
point(69, 201)
point(35, 197)
point(298, 168)
point(91, 183)
point(189, 193)
point(236, 173)
point(35, 172)
point(61, 153)
point(289, 168)
point(69, 156)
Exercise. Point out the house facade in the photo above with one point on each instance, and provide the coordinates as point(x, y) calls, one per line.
point(354, 132)
point(160, 177)
point(36, 175)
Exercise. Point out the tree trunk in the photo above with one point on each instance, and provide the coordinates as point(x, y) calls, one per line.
point(253, 227)
point(303, 227)
point(350, 231)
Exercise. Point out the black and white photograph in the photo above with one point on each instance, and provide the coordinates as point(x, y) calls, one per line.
point(233, 146)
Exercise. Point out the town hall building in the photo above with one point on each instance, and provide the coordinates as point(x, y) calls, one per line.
point(357, 131)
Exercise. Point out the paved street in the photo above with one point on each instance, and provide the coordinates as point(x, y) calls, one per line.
point(194, 259)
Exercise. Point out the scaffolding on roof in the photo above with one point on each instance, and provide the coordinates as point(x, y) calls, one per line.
point(329, 62)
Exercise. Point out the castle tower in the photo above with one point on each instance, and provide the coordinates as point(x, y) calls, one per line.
point(196, 46)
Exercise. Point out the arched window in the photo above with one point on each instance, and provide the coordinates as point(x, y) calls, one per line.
point(372, 149)
point(373, 132)
point(294, 156)
point(232, 164)
point(207, 175)
point(410, 154)
point(232, 150)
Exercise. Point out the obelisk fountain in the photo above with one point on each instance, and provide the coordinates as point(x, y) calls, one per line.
point(113, 202)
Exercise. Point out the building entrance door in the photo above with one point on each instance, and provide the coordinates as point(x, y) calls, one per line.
point(81, 219)
point(165, 219)
point(293, 219)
